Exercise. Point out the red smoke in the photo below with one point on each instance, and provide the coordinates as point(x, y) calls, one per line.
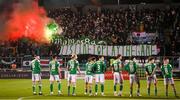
point(26, 21)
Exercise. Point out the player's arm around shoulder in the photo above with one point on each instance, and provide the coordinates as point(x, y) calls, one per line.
point(68, 66)
point(146, 70)
point(154, 69)
point(31, 65)
point(162, 70)
point(136, 67)
point(171, 69)
point(126, 67)
point(49, 67)
point(104, 67)
point(94, 67)
point(120, 67)
point(170, 66)
point(39, 64)
point(112, 68)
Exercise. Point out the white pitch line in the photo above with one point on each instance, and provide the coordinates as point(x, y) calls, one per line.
point(21, 98)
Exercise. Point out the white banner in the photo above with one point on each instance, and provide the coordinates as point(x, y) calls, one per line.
point(127, 50)
point(143, 37)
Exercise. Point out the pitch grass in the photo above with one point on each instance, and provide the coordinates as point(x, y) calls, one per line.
point(22, 89)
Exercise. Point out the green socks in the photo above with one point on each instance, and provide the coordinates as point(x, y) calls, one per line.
point(73, 90)
point(34, 88)
point(138, 91)
point(102, 88)
point(175, 92)
point(166, 90)
point(68, 90)
point(114, 88)
point(148, 91)
point(96, 88)
point(51, 87)
point(90, 91)
point(86, 90)
point(121, 87)
point(40, 88)
point(131, 91)
point(155, 90)
point(59, 86)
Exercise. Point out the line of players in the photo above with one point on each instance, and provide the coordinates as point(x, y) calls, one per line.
point(97, 69)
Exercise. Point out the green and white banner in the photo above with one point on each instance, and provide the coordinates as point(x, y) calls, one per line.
point(127, 50)
point(83, 40)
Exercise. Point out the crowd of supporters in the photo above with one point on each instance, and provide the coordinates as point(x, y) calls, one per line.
point(112, 25)
point(115, 25)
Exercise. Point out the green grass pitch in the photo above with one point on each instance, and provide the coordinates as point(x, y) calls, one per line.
point(22, 89)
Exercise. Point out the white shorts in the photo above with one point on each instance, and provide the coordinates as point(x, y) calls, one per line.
point(168, 80)
point(88, 79)
point(36, 77)
point(151, 78)
point(99, 78)
point(132, 78)
point(71, 78)
point(118, 78)
point(54, 78)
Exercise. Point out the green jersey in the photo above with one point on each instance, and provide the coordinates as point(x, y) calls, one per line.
point(131, 67)
point(99, 67)
point(89, 68)
point(72, 66)
point(150, 68)
point(115, 65)
point(167, 71)
point(54, 67)
point(35, 66)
